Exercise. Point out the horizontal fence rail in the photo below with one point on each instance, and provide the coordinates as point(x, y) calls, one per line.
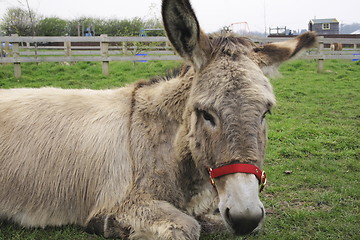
point(17, 50)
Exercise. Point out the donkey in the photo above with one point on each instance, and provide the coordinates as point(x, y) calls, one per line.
point(135, 162)
point(336, 47)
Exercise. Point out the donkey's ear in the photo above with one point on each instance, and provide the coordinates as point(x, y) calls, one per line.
point(183, 31)
point(275, 53)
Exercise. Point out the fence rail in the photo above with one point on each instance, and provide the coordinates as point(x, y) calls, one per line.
point(17, 50)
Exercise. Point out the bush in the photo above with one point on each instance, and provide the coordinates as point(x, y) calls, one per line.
point(17, 20)
point(52, 26)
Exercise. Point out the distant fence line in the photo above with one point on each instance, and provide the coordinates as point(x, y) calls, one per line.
point(106, 49)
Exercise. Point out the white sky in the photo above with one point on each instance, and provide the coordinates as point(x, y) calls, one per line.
point(212, 14)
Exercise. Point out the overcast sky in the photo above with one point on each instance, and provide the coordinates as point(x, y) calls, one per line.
point(212, 14)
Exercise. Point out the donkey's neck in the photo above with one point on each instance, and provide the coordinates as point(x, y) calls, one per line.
point(155, 120)
point(158, 112)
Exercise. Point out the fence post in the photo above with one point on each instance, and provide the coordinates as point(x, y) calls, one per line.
point(16, 55)
point(104, 46)
point(67, 46)
point(7, 48)
point(321, 55)
point(124, 48)
point(2, 50)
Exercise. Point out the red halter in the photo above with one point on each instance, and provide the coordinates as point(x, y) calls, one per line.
point(238, 168)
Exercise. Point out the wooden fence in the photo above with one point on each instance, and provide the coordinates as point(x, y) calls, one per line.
point(17, 50)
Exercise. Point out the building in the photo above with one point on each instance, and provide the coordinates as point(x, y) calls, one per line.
point(324, 26)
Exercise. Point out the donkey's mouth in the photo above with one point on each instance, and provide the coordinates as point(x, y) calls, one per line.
point(242, 225)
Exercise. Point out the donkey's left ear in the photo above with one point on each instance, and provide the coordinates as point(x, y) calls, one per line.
point(276, 53)
point(183, 31)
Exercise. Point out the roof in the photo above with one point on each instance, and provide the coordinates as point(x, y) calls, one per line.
point(324, 20)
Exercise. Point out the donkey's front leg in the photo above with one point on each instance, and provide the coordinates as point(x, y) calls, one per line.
point(147, 220)
point(108, 225)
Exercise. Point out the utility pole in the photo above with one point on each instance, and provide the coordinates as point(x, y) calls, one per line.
point(265, 18)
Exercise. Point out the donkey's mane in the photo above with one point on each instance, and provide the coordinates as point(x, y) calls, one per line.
point(230, 44)
point(170, 74)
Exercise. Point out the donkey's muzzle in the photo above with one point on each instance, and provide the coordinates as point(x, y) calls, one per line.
point(242, 225)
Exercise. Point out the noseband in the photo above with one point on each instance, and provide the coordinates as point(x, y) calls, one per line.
point(238, 168)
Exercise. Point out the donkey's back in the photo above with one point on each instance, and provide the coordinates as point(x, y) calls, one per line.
point(58, 151)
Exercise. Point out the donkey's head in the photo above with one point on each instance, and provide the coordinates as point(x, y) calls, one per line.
point(225, 114)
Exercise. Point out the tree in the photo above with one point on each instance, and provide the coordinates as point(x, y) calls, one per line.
point(128, 27)
point(19, 21)
point(52, 26)
point(16, 20)
point(33, 20)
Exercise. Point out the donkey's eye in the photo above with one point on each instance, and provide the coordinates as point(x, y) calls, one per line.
point(208, 117)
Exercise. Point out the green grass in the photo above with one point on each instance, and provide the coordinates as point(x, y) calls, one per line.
point(312, 160)
point(81, 74)
point(314, 133)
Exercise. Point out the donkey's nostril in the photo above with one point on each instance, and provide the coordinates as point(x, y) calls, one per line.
point(228, 216)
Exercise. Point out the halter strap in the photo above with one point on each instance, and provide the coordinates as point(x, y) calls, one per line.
point(238, 168)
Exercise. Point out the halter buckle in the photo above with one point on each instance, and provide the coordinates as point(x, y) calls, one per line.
point(262, 181)
point(211, 179)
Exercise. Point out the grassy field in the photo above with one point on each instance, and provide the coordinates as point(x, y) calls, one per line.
point(81, 75)
point(313, 154)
